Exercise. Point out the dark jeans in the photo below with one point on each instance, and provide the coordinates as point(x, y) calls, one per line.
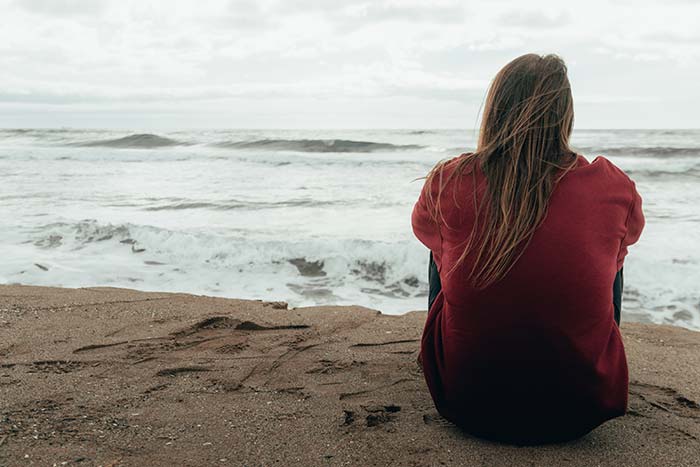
point(435, 286)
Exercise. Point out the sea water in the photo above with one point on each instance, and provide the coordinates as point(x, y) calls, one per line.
point(308, 217)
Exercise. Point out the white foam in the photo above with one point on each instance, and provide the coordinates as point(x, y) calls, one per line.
point(90, 253)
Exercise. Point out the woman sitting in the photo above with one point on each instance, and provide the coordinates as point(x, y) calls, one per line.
point(528, 238)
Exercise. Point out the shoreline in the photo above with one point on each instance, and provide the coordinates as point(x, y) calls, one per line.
point(636, 317)
point(115, 376)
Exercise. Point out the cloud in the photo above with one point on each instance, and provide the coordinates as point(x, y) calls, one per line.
point(534, 19)
point(63, 7)
point(377, 79)
point(378, 12)
point(672, 37)
point(181, 52)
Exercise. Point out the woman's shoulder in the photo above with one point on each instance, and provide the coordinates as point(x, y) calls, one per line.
point(601, 167)
point(462, 163)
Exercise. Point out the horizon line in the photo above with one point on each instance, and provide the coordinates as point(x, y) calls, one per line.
point(68, 127)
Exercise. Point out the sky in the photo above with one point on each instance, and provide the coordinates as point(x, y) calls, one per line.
point(336, 63)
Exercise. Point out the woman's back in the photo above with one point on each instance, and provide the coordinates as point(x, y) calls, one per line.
point(536, 355)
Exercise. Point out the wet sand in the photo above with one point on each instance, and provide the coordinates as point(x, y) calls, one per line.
point(105, 376)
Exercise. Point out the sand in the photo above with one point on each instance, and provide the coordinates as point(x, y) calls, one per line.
point(105, 376)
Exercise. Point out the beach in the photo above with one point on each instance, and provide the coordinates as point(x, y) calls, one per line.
point(111, 376)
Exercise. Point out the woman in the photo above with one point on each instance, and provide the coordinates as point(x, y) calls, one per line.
point(528, 237)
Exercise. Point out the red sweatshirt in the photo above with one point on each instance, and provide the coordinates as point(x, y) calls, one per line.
point(536, 356)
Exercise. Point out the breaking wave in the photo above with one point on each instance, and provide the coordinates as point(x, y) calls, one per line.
point(316, 145)
point(303, 272)
point(136, 141)
point(659, 151)
point(234, 205)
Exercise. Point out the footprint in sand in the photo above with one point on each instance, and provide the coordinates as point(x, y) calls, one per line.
point(226, 322)
point(58, 366)
point(216, 333)
point(436, 419)
point(182, 370)
point(329, 367)
point(662, 398)
point(368, 416)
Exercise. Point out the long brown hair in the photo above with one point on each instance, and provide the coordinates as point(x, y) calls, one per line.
point(523, 151)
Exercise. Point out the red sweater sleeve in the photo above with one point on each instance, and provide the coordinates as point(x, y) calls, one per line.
point(634, 226)
point(425, 228)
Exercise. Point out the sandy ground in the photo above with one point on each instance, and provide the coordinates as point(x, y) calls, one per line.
point(105, 376)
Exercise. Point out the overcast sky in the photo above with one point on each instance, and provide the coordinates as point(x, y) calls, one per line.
point(336, 63)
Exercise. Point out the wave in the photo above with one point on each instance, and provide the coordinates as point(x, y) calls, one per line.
point(311, 271)
point(136, 141)
point(636, 151)
point(376, 263)
point(40, 131)
point(627, 151)
point(316, 145)
point(692, 173)
point(234, 205)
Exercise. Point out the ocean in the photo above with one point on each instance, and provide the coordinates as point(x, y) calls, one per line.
point(308, 217)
